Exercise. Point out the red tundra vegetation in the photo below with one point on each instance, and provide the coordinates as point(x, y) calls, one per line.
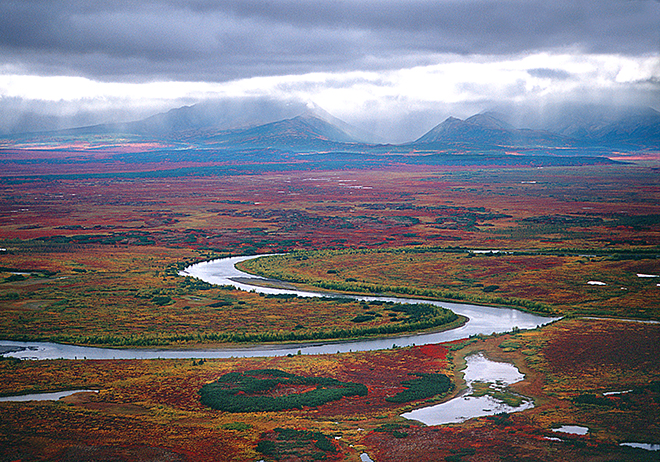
point(91, 251)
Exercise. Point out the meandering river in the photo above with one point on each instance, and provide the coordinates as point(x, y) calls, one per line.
point(482, 320)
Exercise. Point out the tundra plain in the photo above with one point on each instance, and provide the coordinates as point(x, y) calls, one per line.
point(93, 258)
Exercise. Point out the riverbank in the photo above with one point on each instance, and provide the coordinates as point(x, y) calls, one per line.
point(556, 281)
point(478, 320)
point(9, 347)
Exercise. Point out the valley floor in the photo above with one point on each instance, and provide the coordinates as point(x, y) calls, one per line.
point(95, 259)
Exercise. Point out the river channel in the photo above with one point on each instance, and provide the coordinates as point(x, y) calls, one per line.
point(482, 320)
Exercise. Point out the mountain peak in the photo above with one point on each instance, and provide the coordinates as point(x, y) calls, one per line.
point(441, 131)
point(313, 111)
point(486, 130)
point(303, 132)
point(491, 120)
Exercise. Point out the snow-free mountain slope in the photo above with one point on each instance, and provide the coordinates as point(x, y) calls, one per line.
point(486, 130)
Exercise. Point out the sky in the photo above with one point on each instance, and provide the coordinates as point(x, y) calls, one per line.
point(396, 68)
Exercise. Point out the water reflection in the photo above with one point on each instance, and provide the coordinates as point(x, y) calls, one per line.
point(54, 396)
point(467, 406)
point(572, 429)
point(647, 446)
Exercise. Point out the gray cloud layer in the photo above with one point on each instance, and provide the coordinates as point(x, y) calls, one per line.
point(210, 40)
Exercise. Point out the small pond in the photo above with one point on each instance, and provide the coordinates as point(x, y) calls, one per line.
point(572, 429)
point(487, 383)
point(647, 446)
point(53, 396)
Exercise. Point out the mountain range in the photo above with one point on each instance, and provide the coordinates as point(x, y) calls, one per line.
point(300, 128)
point(488, 128)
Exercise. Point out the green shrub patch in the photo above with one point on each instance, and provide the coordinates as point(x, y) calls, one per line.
point(287, 443)
point(426, 386)
point(416, 312)
point(394, 429)
point(253, 391)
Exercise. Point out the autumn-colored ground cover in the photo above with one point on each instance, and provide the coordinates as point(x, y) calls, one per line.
point(102, 252)
point(121, 296)
point(160, 401)
point(280, 211)
point(120, 241)
point(562, 362)
point(547, 283)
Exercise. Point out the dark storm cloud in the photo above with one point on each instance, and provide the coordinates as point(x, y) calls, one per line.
point(210, 40)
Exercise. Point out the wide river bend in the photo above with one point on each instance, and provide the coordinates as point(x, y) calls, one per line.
point(482, 320)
